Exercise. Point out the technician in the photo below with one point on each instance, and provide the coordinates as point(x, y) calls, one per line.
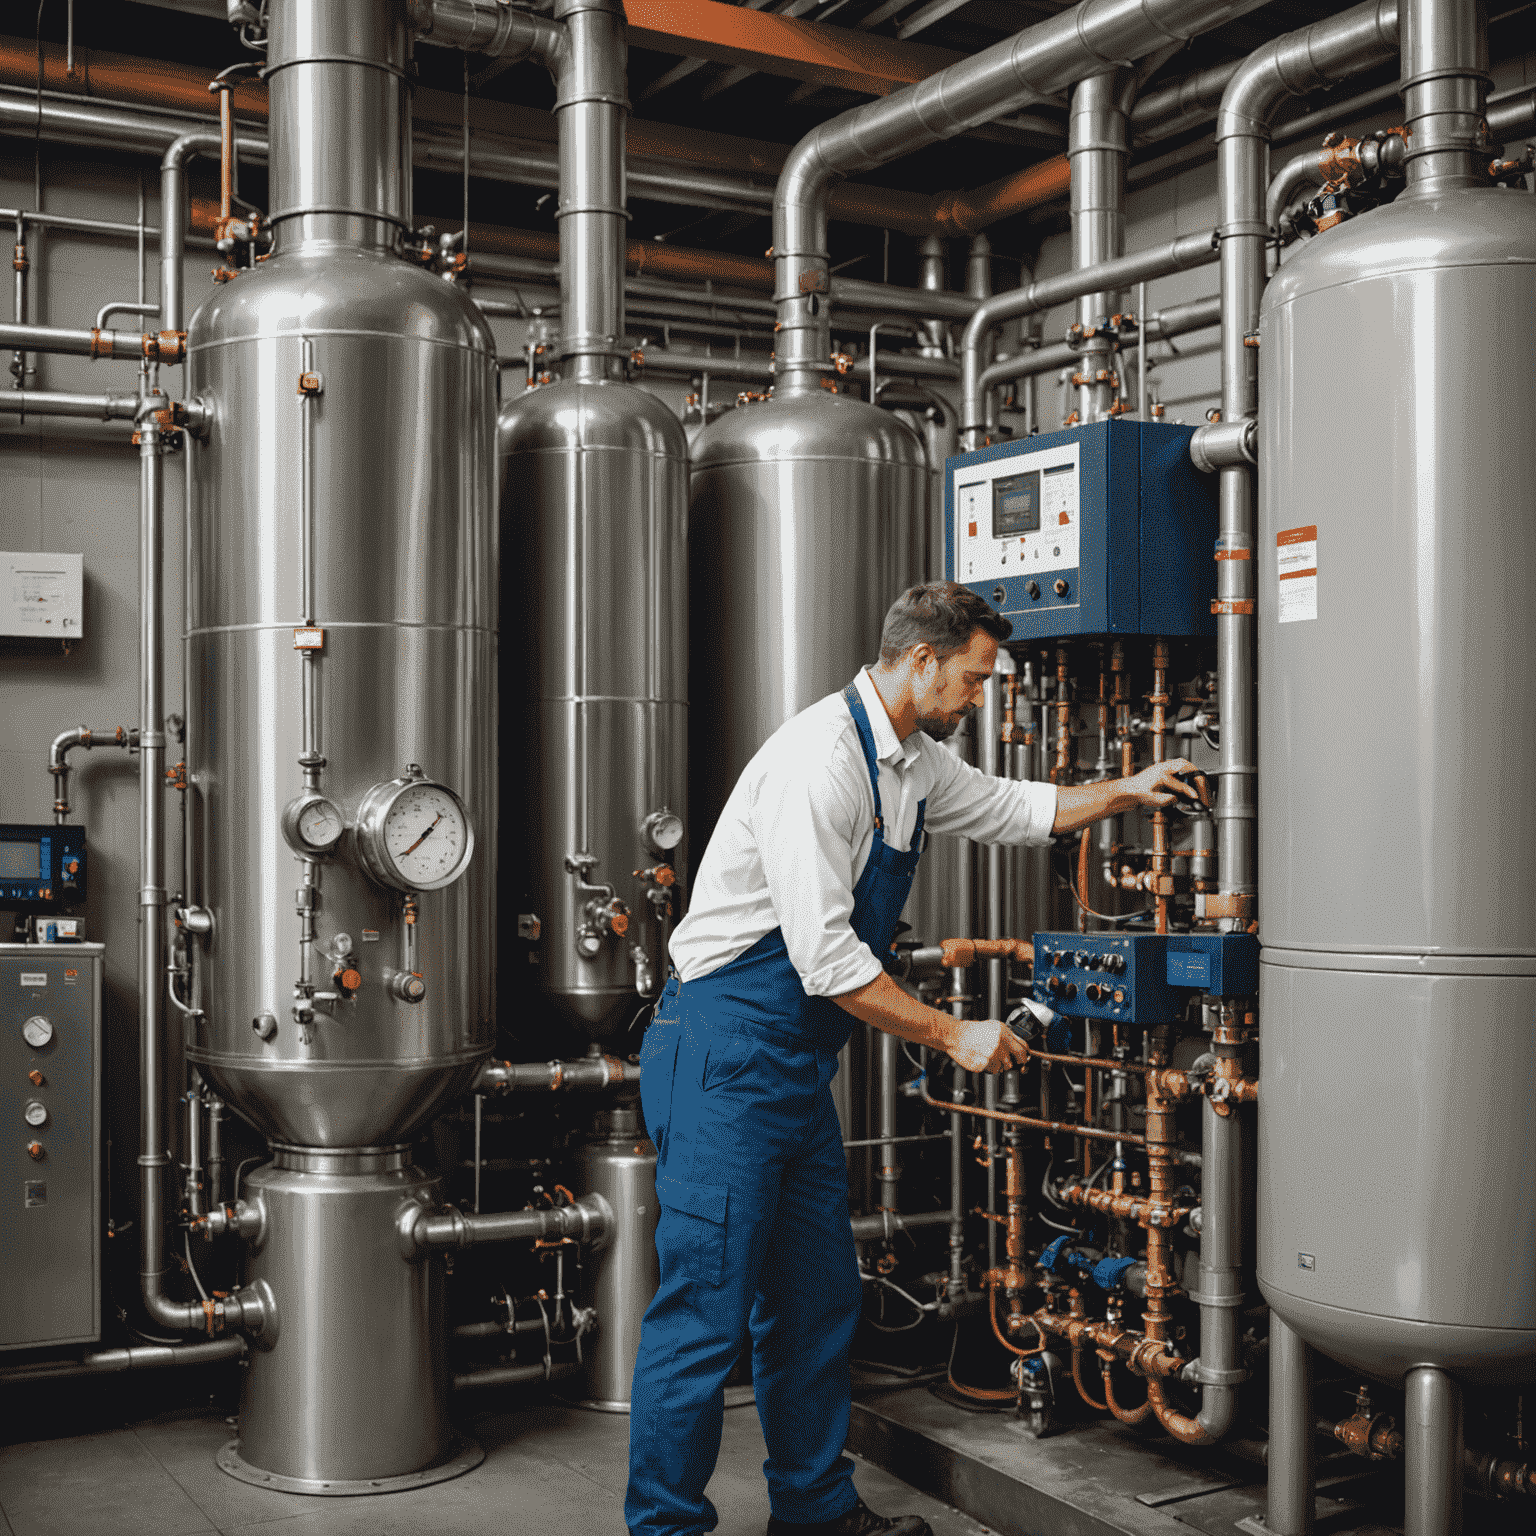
point(796, 900)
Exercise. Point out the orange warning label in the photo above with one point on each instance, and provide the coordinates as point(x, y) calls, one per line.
point(1296, 569)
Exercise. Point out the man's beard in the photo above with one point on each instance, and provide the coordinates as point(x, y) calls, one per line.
point(940, 729)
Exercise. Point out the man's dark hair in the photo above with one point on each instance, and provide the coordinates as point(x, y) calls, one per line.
point(942, 613)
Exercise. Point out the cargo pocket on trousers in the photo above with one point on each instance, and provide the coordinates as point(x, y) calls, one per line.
point(697, 1223)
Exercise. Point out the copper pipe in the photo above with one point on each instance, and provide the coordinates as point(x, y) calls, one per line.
point(966, 952)
point(1133, 1415)
point(1122, 703)
point(1162, 865)
point(1144, 1212)
point(1090, 1112)
point(1077, 1381)
point(1128, 1137)
point(1061, 770)
point(982, 1394)
point(1083, 904)
point(1183, 1427)
point(1142, 1356)
point(1008, 1344)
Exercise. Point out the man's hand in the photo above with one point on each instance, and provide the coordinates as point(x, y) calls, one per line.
point(1154, 788)
point(1161, 784)
point(985, 1045)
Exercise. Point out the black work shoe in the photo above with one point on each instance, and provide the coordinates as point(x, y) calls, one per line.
point(861, 1520)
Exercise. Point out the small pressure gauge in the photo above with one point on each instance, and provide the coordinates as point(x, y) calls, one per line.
point(414, 834)
point(37, 1032)
point(36, 1112)
point(662, 831)
point(312, 824)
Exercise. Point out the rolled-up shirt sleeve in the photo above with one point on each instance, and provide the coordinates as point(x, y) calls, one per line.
point(973, 804)
point(803, 819)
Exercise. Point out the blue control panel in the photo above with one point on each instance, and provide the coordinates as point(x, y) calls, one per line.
point(42, 868)
point(1106, 529)
point(1141, 978)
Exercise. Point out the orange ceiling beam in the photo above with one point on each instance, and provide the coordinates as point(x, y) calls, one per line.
point(782, 45)
point(184, 87)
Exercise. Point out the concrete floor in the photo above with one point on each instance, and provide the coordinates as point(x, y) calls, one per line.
point(548, 1471)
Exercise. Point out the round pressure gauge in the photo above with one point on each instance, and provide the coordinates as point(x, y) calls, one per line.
point(662, 831)
point(414, 834)
point(37, 1032)
point(35, 1113)
point(312, 824)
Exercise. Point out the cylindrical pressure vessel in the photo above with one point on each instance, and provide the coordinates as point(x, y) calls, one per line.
point(1397, 661)
point(341, 633)
point(803, 512)
point(594, 520)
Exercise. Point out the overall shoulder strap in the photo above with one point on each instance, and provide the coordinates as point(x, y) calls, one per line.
point(867, 742)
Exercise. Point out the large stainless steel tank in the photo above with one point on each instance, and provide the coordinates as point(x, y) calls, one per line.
point(594, 516)
point(1397, 1213)
point(399, 548)
point(341, 747)
point(806, 516)
point(805, 513)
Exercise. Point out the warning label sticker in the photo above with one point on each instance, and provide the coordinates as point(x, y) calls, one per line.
point(1296, 552)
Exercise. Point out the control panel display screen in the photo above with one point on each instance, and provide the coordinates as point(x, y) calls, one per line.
point(21, 861)
point(1016, 505)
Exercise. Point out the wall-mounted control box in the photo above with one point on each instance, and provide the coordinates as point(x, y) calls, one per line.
point(42, 596)
point(1141, 978)
point(1107, 529)
point(42, 868)
point(50, 1154)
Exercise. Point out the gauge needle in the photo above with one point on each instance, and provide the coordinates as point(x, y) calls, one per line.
point(424, 836)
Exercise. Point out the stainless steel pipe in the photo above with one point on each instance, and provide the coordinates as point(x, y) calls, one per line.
point(1096, 148)
point(141, 1357)
point(1444, 80)
point(37, 402)
point(591, 1074)
point(587, 1221)
point(1313, 57)
point(1033, 64)
point(1176, 320)
point(1180, 255)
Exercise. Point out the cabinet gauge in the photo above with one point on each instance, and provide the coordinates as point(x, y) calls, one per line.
point(37, 1032)
point(414, 834)
point(312, 824)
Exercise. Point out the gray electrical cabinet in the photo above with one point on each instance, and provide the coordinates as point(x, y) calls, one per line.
point(50, 1152)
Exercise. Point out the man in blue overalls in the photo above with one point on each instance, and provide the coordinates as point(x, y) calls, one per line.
point(796, 899)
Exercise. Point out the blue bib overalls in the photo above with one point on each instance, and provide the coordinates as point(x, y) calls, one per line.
point(754, 1234)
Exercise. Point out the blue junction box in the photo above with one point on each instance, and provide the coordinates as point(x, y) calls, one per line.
point(1106, 529)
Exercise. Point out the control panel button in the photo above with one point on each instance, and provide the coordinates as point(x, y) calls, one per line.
point(35, 1151)
point(36, 1078)
point(37, 1031)
point(35, 1113)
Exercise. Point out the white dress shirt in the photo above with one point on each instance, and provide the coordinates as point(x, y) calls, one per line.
point(795, 835)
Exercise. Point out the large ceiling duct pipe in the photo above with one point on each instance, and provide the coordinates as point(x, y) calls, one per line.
point(594, 503)
point(1039, 61)
point(341, 749)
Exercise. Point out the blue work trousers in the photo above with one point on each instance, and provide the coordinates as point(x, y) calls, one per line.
point(754, 1240)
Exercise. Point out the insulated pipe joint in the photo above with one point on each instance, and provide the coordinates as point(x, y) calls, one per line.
point(1220, 444)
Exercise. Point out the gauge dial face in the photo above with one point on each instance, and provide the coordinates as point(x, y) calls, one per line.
point(415, 835)
point(663, 830)
point(37, 1032)
point(35, 1112)
point(312, 824)
point(320, 824)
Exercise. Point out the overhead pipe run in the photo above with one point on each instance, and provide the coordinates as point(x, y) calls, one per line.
point(1180, 255)
point(1039, 61)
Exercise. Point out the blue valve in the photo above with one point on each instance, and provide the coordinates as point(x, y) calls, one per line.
point(1057, 1257)
point(1108, 1273)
